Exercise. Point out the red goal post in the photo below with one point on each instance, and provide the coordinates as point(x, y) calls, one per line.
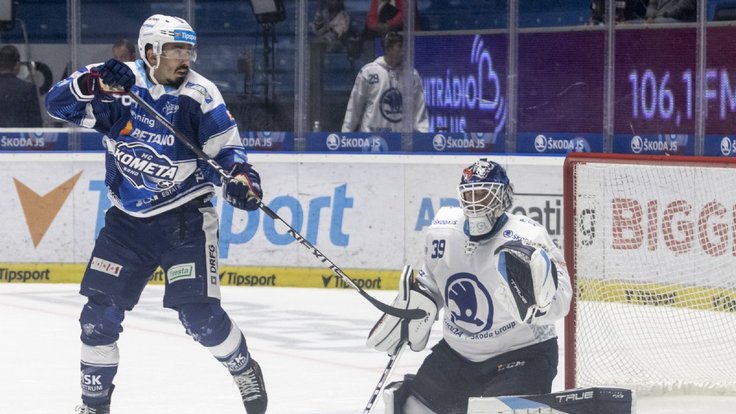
point(650, 243)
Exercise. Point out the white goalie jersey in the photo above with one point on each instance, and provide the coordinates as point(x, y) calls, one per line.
point(466, 281)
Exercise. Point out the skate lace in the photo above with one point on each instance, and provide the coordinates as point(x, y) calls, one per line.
point(248, 385)
point(83, 409)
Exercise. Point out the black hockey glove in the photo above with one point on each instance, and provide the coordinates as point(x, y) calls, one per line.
point(244, 190)
point(112, 77)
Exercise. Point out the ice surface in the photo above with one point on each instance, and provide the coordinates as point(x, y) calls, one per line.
point(309, 342)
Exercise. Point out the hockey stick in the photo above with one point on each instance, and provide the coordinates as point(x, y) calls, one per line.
point(399, 313)
point(384, 377)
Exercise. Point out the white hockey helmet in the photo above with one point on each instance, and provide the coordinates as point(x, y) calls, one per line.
point(158, 30)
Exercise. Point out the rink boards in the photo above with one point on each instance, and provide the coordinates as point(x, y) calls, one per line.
point(366, 212)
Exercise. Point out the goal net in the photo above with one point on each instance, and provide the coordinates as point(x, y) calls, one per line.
point(651, 245)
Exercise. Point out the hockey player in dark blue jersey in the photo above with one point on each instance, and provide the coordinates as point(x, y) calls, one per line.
point(161, 213)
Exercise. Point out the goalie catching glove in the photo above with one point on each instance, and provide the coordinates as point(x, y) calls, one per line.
point(390, 332)
point(528, 280)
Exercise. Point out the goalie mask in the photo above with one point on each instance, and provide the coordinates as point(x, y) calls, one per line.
point(485, 193)
point(159, 30)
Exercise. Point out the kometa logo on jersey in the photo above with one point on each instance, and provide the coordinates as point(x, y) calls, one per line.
point(145, 168)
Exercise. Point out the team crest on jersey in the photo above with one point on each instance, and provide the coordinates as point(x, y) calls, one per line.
point(146, 169)
point(469, 303)
point(170, 108)
point(391, 102)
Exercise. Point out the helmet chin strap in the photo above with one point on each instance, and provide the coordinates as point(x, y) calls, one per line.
point(151, 69)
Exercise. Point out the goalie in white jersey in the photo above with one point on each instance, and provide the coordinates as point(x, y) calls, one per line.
point(502, 283)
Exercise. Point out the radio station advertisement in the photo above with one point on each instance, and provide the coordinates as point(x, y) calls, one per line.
point(720, 82)
point(560, 84)
point(366, 214)
point(353, 142)
point(464, 85)
point(654, 91)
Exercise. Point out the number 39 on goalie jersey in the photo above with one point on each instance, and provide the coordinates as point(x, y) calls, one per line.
point(476, 323)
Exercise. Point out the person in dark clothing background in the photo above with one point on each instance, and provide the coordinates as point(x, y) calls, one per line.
point(18, 98)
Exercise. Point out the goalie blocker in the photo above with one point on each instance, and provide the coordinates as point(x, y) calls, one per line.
point(595, 400)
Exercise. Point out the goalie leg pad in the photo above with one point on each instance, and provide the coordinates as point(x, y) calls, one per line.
point(398, 398)
point(390, 331)
point(394, 396)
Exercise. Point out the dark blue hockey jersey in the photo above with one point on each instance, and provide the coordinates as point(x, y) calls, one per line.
point(147, 170)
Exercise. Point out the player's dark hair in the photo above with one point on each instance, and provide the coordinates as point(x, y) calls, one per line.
point(127, 44)
point(392, 38)
point(9, 57)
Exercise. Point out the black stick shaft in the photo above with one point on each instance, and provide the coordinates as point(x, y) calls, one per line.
point(382, 381)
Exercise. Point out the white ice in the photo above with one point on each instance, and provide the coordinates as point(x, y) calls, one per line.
point(309, 342)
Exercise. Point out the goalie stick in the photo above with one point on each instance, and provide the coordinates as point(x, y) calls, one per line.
point(399, 313)
point(382, 381)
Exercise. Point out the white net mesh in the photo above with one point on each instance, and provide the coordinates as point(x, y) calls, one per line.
point(655, 264)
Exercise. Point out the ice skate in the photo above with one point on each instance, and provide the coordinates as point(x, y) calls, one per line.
point(252, 389)
point(98, 409)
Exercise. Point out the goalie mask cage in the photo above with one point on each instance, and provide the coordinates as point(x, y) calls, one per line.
point(650, 242)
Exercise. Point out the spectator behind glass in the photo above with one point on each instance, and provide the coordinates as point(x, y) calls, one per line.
point(331, 22)
point(123, 50)
point(18, 98)
point(643, 11)
point(625, 11)
point(670, 11)
point(376, 103)
point(387, 16)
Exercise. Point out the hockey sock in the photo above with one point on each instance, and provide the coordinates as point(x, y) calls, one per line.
point(209, 325)
point(101, 325)
point(233, 352)
point(98, 366)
